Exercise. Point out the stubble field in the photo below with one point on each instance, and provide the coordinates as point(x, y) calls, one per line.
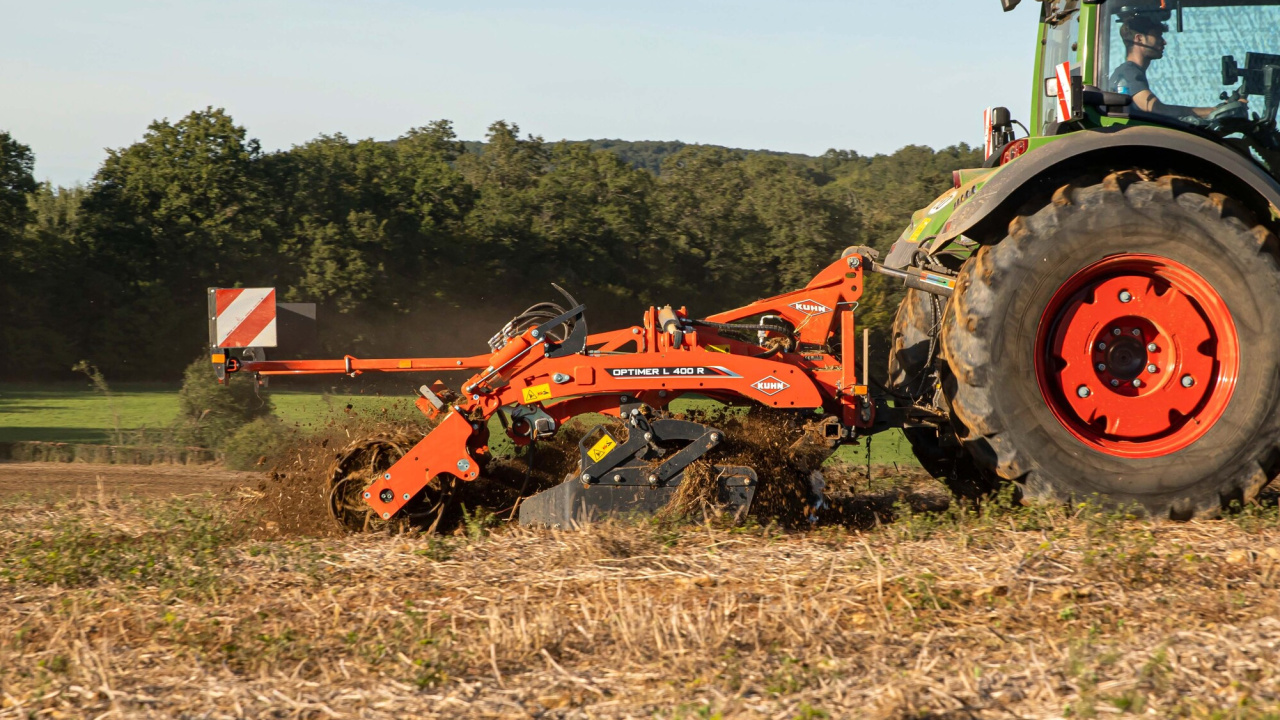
point(113, 605)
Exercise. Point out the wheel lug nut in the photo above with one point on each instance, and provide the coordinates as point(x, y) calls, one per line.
point(1153, 369)
point(1151, 347)
point(1115, 331)
point(1102, 366)
point(1136, 332)
point(1082, 391)
point(1125, 296)
point(1188, 381)
point(1115, 383)
point(1137, 382)
point(1102, 346)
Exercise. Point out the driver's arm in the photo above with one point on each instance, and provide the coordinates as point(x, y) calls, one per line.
point(1148, 102)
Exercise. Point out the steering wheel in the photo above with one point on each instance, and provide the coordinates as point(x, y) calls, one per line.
point(1229, 113)
point(1231, 109)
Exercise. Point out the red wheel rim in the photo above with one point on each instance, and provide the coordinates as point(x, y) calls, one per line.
point(1137, 356)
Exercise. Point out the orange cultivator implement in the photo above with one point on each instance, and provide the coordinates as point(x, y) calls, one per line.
point(795, 351)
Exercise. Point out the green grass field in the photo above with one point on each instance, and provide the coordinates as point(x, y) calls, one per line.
point(75, 413)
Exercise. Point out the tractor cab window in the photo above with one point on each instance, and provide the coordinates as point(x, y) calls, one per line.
point(1170, 54)
point(1061, 33)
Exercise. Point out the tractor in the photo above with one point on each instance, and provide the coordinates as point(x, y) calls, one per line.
point(1114, 326)
point(1094, 313)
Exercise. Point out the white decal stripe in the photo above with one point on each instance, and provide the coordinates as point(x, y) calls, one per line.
point(238, 310)
point(266, 338)
point(986, 122)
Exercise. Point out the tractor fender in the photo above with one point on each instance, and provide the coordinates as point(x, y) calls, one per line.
point(985, 216)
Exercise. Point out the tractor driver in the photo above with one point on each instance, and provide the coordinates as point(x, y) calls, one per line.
point(1143, 42)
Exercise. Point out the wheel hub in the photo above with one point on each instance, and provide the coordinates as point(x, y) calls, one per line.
point(1125, 359)
point(1137, 355)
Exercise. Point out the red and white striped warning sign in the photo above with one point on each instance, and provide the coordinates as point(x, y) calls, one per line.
point(1063, 79)
point(245, 317)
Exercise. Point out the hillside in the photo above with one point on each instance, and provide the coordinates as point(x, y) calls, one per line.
point(649, 154)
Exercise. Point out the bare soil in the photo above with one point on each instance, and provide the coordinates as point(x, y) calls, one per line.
point(69, 480)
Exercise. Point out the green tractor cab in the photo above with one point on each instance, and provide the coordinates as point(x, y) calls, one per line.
point(1110, 327)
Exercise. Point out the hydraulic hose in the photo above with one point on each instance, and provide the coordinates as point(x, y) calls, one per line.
point(742, 327)
point(534, 315)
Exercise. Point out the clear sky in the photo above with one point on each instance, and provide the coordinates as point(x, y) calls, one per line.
point(78, 76)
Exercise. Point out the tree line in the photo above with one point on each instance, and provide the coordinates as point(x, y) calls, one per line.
point(423, 244)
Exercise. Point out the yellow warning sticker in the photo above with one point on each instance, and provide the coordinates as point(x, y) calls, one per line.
point(718, 348)
point(601, 448)
point(915, 236)
point(535, 393)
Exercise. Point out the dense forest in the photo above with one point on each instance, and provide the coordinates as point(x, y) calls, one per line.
point(424, 244)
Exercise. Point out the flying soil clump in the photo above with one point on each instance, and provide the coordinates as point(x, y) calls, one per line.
point(315, 483)
point(785, 454)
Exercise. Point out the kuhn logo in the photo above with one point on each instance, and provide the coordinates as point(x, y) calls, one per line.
point(809, 307)
point(770, 385)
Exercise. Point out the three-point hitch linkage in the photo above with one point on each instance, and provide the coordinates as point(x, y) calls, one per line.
point(795, 351)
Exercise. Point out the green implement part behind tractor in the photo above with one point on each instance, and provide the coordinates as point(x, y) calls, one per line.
point(1097, 310)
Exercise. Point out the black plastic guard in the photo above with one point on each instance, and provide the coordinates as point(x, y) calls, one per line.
point(572, 503)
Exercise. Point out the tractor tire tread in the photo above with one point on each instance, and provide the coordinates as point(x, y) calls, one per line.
point(969, 336)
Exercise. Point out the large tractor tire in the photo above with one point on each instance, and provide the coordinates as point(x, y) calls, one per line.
point(1122, 342)
point(915, 373)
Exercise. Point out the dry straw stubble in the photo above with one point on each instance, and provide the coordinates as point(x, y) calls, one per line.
point(1025, 613)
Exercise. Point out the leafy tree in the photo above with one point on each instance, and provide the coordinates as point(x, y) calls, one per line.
point(18, 269)
point(507, 161)
point(180, 205)
point(44, 271)
point(804, 229)
point(501, 221)
point(337, 211)
point(747, 226)
point(882, 191)
point(374, 231)
point(593, 217)
point(164, 218)
point(16, 183)
point(885, 189)
point(650, 154)
point(708, 237)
